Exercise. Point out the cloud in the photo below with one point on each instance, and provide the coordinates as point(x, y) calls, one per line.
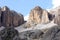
point(55, 3)
point(48, 9)
point(26, 17)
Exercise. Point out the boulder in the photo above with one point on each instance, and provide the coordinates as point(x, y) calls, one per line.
point(52, 34)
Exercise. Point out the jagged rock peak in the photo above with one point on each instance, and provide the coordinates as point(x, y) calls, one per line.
point(37, 8)
point(10, 17)
point(5, 8)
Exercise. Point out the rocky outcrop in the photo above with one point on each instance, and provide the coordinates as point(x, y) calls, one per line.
point(9, 34)
point(31, 34)
point(56, 12)
point(57, 20)
point(39, 15)
point(52, 34)
point(18, 19)
point(10, 17)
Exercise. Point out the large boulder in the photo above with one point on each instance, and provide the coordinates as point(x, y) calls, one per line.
point(52, 34)
point(10, 17)
point(9, 34)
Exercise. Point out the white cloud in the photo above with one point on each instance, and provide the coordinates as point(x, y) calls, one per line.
point(48, 9)
point(26, 17)
point(55, 3)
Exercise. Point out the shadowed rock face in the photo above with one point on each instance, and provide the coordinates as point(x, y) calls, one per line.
point(9, 34)
point(51, 17)
point(9, 17)
point(52, 34)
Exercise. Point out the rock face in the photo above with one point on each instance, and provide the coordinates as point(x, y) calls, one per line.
point(10, 17)
point(57, 20)
point(52, 34)
point(31, 34)
point(9, 34)
point(56, 12)
point(0, 17)
point(38, 15)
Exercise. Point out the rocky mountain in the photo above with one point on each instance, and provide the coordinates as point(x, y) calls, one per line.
point(41, 24)
point(9, 17)
point(39, 16)
point(56, 12)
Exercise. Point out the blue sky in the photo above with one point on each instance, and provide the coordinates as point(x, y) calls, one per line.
point(24, 6)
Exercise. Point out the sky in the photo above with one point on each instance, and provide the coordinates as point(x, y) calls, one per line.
point(24, 6)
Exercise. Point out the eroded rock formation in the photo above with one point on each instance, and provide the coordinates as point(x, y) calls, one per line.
point(39, 15)
point(9, 17)
point(56, 12)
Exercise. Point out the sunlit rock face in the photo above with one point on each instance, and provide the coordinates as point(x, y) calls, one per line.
point(10, 17)
point(39, 16)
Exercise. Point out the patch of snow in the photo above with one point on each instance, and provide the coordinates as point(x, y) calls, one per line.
point(39, 26)
point(1, 28)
